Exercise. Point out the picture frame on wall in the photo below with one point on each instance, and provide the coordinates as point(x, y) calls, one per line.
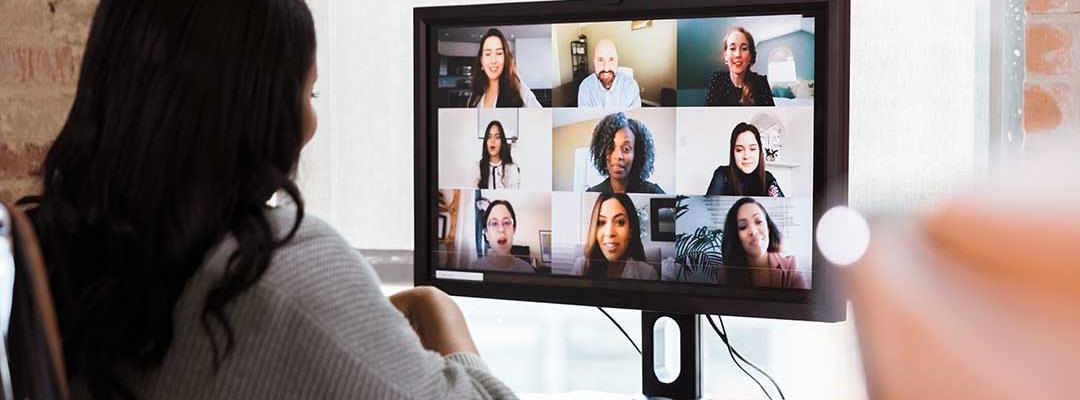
point(545, 246)
point(662, 219)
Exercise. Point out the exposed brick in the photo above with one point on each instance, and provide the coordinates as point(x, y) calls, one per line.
point(1044, 107)
point(1046, 6)
point(39, 65)
point(17, 161)
point(33, 119)
point(12, 189)
point(1052, 6)
point(45, 22)
point(1049, 48)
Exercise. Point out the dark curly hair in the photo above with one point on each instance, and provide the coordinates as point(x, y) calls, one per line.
point(603, 143)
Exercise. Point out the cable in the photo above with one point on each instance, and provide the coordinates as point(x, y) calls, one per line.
point(731, 352)
point(769, 377)
point(735, 353)
point(722, 333)
point(621, 329)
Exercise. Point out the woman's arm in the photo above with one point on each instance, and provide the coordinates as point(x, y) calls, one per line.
point(410, 346)
point(718, 184)
point(436, 319)
point(772, 188)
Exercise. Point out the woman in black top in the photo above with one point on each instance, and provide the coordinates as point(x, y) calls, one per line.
point(745, 174)
point(738, 86)
point(622, 149)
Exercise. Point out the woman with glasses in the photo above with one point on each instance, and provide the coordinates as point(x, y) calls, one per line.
point(500, 222)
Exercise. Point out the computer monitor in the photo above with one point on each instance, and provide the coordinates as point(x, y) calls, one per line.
point(672, 156)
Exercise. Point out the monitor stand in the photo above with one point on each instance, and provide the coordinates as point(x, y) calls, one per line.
point(670, 355)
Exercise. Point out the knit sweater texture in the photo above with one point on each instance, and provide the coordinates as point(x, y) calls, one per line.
point(315, 326)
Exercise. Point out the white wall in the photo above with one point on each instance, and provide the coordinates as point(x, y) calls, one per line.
point(913, 109)
point(535, 63)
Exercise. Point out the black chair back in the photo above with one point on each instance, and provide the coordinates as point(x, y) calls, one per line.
point(31, 362)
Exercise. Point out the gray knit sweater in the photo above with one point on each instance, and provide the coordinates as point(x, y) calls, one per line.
point(315, 326)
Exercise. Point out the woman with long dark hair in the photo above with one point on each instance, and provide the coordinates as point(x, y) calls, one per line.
point(752, 250)
point(496, 168)
point(738, 86)
point(745, 174)
point(613, 247)
point(495, 81)
point(171, 277)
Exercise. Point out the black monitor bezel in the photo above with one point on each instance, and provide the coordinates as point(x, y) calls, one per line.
point(824, 302)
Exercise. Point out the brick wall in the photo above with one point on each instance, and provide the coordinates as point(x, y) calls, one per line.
point(41, 45)
point(1051, 93)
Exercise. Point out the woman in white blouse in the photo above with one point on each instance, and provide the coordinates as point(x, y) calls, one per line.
point(496, 169)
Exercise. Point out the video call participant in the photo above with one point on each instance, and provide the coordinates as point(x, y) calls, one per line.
point(613, 247)
point(607, 87)
point(496, 168)
point(500, 224)
point(738, 86)
point(499, 84)
point(745, 174)
point(752, 250)
point(622, 150)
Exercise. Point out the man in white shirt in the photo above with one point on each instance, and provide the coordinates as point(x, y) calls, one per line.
point(607, 88)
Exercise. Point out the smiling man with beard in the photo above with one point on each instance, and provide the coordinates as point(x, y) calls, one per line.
point(607, 88)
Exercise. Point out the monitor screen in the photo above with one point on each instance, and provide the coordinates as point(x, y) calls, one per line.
point(662, 156)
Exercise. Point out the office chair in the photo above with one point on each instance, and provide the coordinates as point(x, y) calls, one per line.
point(31, 362)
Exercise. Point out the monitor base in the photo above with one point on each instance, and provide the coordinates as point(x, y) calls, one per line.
point(670, 355)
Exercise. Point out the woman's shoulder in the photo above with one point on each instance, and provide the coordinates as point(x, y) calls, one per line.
point(769, 177)
point(772, 186)
point(522, 266)
point(479, 263)
point(317, 259)
point(782, 261)
point(528, 98)
point(602, 187)
point(649, 187)
point(758, 78)
point(579, 266)
point(639, 270)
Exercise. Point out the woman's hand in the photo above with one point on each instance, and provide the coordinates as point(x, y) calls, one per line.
point(436, 319)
